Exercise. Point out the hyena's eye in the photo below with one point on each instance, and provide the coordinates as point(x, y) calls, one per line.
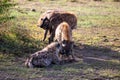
point(42, 19)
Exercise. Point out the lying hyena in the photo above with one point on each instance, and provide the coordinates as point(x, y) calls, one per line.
point(63, 35)
point(44, 57)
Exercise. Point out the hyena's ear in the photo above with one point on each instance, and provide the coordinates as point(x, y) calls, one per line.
point(47, 19)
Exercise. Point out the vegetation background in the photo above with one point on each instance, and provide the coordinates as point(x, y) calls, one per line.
point(97, 40)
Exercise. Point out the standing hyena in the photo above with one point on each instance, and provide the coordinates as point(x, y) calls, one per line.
point(63, 35)
point(44, 57)
point(52, 18)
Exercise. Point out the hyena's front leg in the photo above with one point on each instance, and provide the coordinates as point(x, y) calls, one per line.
point(74, 58)
point(71, 56)
point(45, 35)
point(52, 35)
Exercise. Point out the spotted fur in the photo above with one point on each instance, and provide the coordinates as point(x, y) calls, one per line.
point(44, 57)
point(52, 18)
point(63, 35)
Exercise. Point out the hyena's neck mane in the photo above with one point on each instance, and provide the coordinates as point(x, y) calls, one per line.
point(50, 47)
point(66, 32)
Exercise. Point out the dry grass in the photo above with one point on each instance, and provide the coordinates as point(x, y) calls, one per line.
point(97, 41)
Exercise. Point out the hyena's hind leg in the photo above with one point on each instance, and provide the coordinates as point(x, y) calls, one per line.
point(57, 53)
point(52, 35)
point(55, 60)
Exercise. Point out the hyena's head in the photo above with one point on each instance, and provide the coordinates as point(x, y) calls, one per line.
point(43, 22)
point(66, 47)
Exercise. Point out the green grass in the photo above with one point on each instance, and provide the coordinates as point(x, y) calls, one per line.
point(97, 22)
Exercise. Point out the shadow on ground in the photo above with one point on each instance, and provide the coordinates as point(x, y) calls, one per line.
point(98, 56)
point(92, 61)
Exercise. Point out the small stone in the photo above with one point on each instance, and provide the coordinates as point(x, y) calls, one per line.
point(104, 36)
point(116, 39)
point(34, 10)
point(105, 40)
